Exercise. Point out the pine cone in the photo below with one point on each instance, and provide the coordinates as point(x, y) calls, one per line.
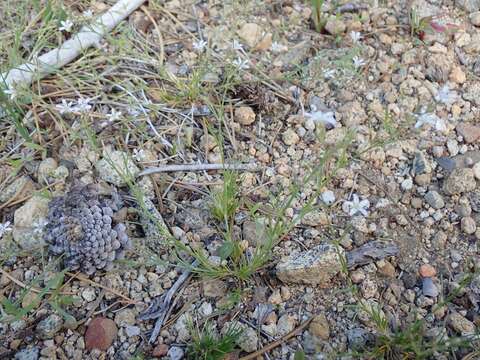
point(81, 227)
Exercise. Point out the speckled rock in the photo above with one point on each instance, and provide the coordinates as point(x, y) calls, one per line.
point(459, 181)
point(49, 327)
point(30, 353)
point(29, 220)
point(316, 266)
point(114, 165)
point(461, 324)
point(320, 327)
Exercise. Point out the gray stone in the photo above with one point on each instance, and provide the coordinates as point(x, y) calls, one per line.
point(459, 181)
point(335, 25)
point(358, 338)
point(115, 166)
point(420, 164)
point(23, 184)
point(475, 18)
point(29, 221)
point(429, 288)
point(434, 199)
point(31, 353)
point(316, 266)
point(285, 324)
point(49, 327)
point(132, 330)
point(46, 169)
point(468, 225)
point(460, 324)
point(175, 353)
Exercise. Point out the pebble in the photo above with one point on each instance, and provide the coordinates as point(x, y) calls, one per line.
point(320, 327)
point(46, 169)
point(285, 324)
point(290, 137)
point(125, 317)
point(132, 330)
point(328, 197)
point(475, 18)
point(434, 199)
point(30, 353)
point(316, 266)
point(476, 170)
point(175, 353)
point(427, 270)
point(89, 294)
point(123, 166)
point(468, 225)
point(470, 133)
point(335, 25)
point(460, 324)
point(205, 309)
point(50, 326)
point(407, 184)
point(251, 34)
point(245, 115)
point(459, 181)
point(26, 223)
point(160, 350)
point(429, 288)
point(100, 334)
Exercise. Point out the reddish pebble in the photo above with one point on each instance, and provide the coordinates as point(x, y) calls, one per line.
point(160, 350)
point(427, 270)
point(100, 334)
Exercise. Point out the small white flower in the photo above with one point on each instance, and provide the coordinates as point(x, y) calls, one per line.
point(324, 117)
point(237, 45)
point(329, 73)
point(199, 45)
point(65, 107)
point(358, 62)
point(83, 105)
point(446, 96)
point(356, 206)
point(12, 93)
point(88, 14)
point(66, 25)
point(139, 155)
point(432, 119)
point(241, 64)
point(114, 115)
point(4, 228)
point(355, 36)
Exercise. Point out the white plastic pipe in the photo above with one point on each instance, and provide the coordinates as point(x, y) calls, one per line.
point(88, 36)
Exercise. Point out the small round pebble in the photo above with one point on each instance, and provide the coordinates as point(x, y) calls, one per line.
point(427, 270)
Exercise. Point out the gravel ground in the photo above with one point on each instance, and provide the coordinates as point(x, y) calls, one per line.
point(407, 96)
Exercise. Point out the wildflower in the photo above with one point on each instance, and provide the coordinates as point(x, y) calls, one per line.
point(114, 115)
point(241, 64)
point(237, 45)
point(88, 14)
point(65, 107)
point(355, 36)
point(329, 73)
point(358, 62)
point(83, 105)
point(139, 155)
point(446, 96)
point(4, 228)
point(430, 119)
point(66, 25)
point(326, 118)
point(199, 45)
point(356, 206)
